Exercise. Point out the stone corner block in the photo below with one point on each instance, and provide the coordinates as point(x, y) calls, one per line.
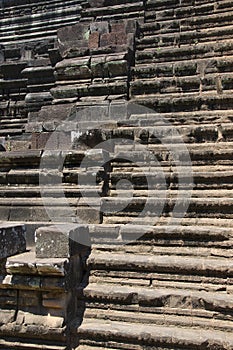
point(61, 241)
point(12, 240)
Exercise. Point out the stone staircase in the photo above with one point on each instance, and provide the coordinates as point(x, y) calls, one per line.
point(28, 38)
point(148, 284)
point(33, 190)
point(159, 208)
point(168, 286)
point(24, 22)
point(105, 10)
point(184, 56)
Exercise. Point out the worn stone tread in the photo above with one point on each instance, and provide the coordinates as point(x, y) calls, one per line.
point(214, 266)
point(152, 334)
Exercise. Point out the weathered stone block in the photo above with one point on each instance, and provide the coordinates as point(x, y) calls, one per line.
point(118, 27)
point(40, 97)
point(117, 68)
point(27, 298)
point(70, 35)
point(34, 127)
point(97, 67)
point(118, 110)
point(108, 39)
point(94, 40)
point(121, 38)
point(8, 298)
point(39, 140)
point(73, 68)
point(60, 241)
point(6, 316)
point(89, 215)
point(12, 240)
point(100, 27)
point(55, 300)
point(56, 112)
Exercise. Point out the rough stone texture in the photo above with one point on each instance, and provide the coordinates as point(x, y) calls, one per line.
point(38, 301)
point(151, 283)
point(12, 240)
point(29, 51)
point(61, 241)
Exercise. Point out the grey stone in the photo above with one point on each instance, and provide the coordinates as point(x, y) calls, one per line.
point(118, 110)
point(70, 36)
point(12, 240)
point(60, 241)
point(101, 27)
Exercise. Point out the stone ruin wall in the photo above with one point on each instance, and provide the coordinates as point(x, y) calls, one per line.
point(87, 66)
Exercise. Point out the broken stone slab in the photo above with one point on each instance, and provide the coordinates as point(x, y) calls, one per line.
point(61, 241)
point(12, 240)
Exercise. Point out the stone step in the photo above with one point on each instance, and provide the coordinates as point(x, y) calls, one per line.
point(216, 193)
point(12, 120)
point(106, 333)
point(199, 9)
point(122, 10)
point(164, 180)
point(160, 39)
point(25, 8)
point(48, 177)
point(20, 27)
point(190, 101)
point(119, 169)
point(192, 237)
point(180, 118)
point(11, 131)
point(90, 89)
point(160, 280)
point(155, 207)
point(13, 84)
point(185, 52)
point(12, 125)
point(179, 282)
point(202, 154)
point(200, 67)
point(150, 302)
point(48, 35)
point(36, 35)
point(186, 84)
point(166, 320)
point(138, 265)
point(198, 221)
point(185, 17)
point(90, 347)
point(7, 344)
point(28, 191)
point(31, 159)
point(164, 238)
point(182, 17)
point(163, 131)
point(159, 318)
point(199, 5)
